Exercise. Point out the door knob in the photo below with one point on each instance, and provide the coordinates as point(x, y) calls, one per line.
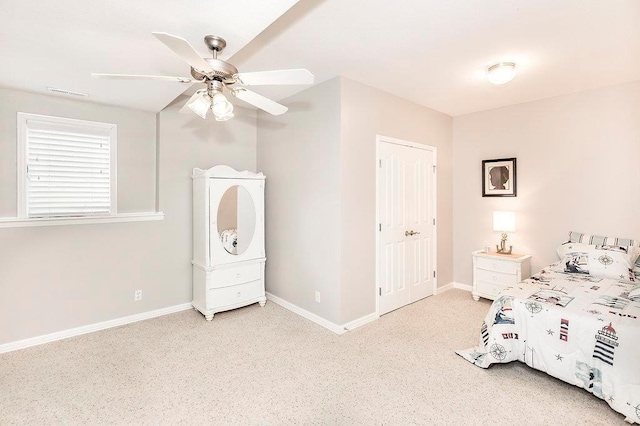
point(410, 233)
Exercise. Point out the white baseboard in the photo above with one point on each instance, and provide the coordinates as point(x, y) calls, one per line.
point(306, 314)
point(461, 286)
point(72, 332)
point(338, 329)
point(453, 285)
point(444, 288)
point(361, 321)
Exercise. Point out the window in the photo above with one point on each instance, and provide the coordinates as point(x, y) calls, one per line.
point(66, 168)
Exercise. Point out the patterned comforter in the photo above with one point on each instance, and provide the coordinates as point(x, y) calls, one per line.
point(581, 329)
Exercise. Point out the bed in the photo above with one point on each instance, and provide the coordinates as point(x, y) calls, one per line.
point(574, 322)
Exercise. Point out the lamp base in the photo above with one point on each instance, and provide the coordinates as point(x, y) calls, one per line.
point(503, 251)
point(502, 248)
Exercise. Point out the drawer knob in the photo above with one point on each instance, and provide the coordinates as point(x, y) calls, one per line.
point(238, 275)
point(495, 278)
point(238, 294)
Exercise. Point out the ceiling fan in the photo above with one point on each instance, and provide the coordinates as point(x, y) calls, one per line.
point(218, 75)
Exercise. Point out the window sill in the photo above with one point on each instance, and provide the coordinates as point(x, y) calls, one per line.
point(15, 222)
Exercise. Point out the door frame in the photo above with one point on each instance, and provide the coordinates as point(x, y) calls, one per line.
point(434, 198)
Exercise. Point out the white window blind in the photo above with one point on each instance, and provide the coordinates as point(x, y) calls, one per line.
point(69, 167)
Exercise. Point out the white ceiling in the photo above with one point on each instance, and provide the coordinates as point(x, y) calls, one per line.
point(60, 43)
point(436, 52)
point(432, 52)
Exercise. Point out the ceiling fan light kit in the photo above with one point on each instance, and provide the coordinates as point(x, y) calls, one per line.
point(219, 75)
point(502, 72)
point(225, 117)
point(200, 105)
point(220, 106)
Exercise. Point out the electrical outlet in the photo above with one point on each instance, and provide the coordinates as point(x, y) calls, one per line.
point(137, 295)
point(318, 296)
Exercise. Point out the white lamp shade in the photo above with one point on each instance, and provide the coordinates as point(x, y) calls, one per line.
point(504, 221)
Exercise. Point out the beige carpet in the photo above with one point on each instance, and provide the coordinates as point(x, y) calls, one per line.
point(268, 366)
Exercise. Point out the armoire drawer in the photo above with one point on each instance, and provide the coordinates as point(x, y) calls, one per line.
point(496, 277)
point(496, 265)
point(235, 275)
point(230, 295)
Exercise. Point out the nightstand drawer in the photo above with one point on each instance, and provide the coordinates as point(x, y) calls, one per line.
point(489, 290)
point(496, 277)
point(236, 275)
point(497, 265)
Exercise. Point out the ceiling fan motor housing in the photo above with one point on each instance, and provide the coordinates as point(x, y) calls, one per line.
point(222, 71)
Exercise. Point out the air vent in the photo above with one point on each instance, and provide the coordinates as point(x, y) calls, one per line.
point(66, 92)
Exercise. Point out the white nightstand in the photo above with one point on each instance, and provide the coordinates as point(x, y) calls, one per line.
point(493, 272)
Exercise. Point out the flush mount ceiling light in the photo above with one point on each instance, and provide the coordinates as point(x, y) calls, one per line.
point(502, 73)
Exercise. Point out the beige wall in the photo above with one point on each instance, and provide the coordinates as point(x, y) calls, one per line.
point(299, 152)
point(367, 112)
point(578, 169)
point(60, 277)
point(319, 159)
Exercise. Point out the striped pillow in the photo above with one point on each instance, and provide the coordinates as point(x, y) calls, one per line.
point(577, 237)
point(598, 240)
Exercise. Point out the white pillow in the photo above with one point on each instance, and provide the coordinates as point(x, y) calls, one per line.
point(597, 260)
point(632, 246)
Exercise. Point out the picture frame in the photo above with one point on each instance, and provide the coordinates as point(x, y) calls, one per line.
point(499, 178)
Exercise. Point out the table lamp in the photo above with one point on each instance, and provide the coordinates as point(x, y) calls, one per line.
point(504, 222)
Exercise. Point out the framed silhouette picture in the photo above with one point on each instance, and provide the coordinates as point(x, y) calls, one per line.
point(499, 178)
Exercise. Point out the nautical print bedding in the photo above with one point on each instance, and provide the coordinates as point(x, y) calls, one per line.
point(581, 329)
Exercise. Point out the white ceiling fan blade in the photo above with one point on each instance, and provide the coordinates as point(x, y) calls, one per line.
point(295, 76)
point(182, 48)
point(142, 77)
point(185, 109)
point(266, 104)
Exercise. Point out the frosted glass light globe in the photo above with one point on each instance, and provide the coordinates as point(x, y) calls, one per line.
point(221, 106)
point(502, 73)
point(201, 105)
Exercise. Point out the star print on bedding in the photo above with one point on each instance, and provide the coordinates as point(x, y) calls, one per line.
point(582, 329)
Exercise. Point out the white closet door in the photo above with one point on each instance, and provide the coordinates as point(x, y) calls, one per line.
point(406, 194)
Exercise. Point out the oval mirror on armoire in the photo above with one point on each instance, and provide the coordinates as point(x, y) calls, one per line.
point(236, 220)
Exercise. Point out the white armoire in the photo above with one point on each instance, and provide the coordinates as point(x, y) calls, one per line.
point(228, 239)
